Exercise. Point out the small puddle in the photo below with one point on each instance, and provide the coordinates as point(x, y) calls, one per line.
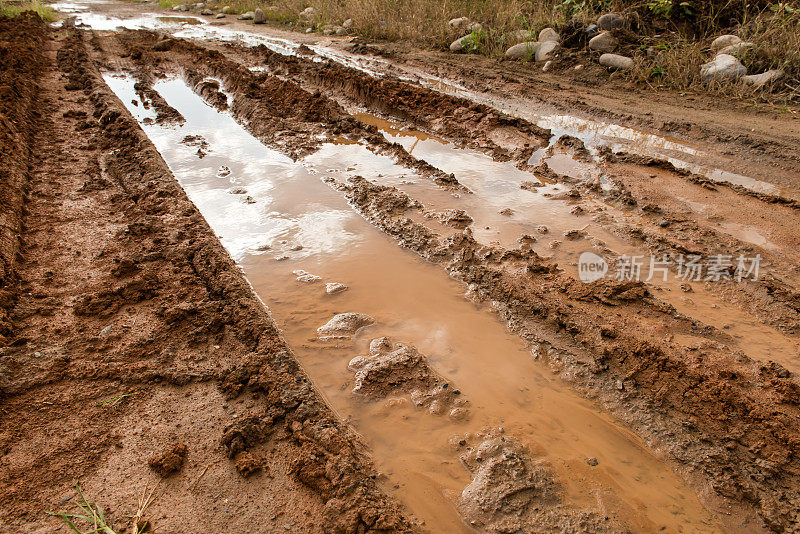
point(267, 208)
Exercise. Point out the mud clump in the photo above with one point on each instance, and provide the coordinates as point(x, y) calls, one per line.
point(391, 369)
point(170, 461)
point(510, 492)
point(344, 325)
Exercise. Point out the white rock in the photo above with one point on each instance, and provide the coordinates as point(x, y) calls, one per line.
point(604, 42)
point(524, 50)
point(760, 80)
point(344, 325)
point(610, 21)
point(220, 16)
point(309, 278)
point(332, 288)
point(347, 24)
point(227, 10)
point(549, 34)
point(247, 16)
point(546, 51)
point(737, 48)
point(460, 44)
point(546, 66)
point(474, 27)
point(614, 61)
point(459, 23)
point(722, 67)
point(724, 41)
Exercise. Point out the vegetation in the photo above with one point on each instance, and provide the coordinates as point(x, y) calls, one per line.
point(11, 8)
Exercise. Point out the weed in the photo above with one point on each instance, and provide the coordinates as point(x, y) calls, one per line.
point(88, 512)
point(115, 400)
point(11, 9)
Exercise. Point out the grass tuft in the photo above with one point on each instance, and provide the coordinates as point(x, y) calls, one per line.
point(11, 9)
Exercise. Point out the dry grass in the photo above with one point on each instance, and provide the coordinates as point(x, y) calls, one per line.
point(13, 8)
point(681, 45)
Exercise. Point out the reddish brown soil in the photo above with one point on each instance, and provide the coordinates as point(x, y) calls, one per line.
point(133, 330)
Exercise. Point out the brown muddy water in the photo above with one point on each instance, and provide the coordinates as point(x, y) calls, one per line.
point(276, 216)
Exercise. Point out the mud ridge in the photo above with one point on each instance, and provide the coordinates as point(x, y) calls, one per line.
point(160, 261)
point(736, 424)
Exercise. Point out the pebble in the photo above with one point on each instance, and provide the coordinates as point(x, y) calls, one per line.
point(309, 278)
point(737, 48)
point(614, 61)
point(227, 10)
point(549, 34)
point(459, 23)
point(724, 41)
point(207, 12)
point(347, 24)
point(604, 42)
point(247, 16)
point(760, 80)
point(220, 16)
point(546, 51)
point(592, 461)
point(722, 67)
point(547, 65)
point(460, 44)
point(524, 50)
point(610, 21)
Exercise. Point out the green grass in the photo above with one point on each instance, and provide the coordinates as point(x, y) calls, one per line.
point(11, 9)
point(88, 513)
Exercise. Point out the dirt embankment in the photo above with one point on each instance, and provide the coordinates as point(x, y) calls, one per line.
point(134, 333)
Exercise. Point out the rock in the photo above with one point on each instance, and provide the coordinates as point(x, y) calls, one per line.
point(546, 66)
point(207, 12)
point(105, 331)
point(604, 42)
point(520, 36)
point(592, 30)
point(542, 229)
point(176, 8)
point(344, 325)
point(309, 278)
point(578, 67)
point(247, 16)
point(508, 212)
point(185, 7)
point(592, 461)
point(737, 48)
point(347, 24)
point(610, 21)
point(549, 34)
point(459, 23)
point(308, 13)
point(614, 61)
point(333, 288)
point(220, 16)
point(760, 80)
point(340, 30)
point(259, 17)
point(546, 51)
point(724, 41)
point(474, 27)
point(227, 10)
point(461, 43)
point(525, 50)
point(722, 67)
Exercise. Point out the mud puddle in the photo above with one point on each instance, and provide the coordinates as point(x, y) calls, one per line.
point(593, 133)
point(277, 217)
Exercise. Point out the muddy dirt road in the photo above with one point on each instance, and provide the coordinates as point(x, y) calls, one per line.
point(302, 284)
